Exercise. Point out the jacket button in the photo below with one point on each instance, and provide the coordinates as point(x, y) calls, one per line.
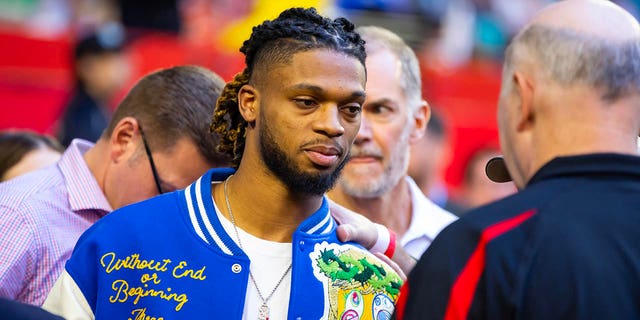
point(236, 268)
point(301, 245)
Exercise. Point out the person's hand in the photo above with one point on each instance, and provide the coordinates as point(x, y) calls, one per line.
point(357, 228)
point(354, 226)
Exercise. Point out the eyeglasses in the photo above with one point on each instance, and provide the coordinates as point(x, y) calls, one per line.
point(156, 178)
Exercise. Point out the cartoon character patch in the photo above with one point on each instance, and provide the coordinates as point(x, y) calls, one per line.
point(382, 307)
point(357, 284)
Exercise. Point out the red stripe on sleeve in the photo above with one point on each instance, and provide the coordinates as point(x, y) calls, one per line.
point(464, 288)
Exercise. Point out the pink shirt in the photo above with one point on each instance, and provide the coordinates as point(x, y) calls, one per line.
point(42, 215)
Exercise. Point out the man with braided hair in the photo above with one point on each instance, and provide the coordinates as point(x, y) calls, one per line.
point(256, 240)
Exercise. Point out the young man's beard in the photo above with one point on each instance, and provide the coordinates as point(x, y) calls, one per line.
point(286, 170)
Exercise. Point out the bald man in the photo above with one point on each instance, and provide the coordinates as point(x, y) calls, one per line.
point(567, 246)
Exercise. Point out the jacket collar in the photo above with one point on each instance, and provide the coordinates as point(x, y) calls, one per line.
point(207, 226)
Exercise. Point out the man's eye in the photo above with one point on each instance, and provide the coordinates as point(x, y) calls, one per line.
point(306, 103)
point(352, 110)
point(379, 109)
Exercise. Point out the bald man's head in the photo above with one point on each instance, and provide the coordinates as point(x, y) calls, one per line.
point(570, 85)
point(594, 18)
point(580, 42)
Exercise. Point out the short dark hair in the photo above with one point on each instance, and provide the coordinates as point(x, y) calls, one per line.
point(276, 41)
point(108, 40)
point(15, 144)
point(172, 104)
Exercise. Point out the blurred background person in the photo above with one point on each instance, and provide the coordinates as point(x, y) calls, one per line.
point(476, 188)
point(22, 151)
point(429, 157)
point(100, 71)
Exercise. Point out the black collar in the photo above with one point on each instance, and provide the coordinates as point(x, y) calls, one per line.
point(597, 164)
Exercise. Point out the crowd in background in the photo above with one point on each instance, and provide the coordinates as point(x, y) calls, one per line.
point(75, 59)
point(95, 50)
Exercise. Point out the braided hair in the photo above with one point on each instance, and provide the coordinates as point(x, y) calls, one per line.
point(276, 41)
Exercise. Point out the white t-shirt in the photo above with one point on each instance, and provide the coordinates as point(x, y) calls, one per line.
point(269, 260)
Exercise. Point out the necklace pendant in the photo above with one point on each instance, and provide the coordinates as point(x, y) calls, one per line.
point(263, 312)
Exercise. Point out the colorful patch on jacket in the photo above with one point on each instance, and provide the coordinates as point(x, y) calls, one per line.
point(357, 284)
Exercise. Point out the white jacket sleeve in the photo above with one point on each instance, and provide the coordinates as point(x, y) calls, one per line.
point(66, 300)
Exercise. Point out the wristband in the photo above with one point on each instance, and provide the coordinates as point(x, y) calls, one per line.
point(391, 249)
point(386, 242)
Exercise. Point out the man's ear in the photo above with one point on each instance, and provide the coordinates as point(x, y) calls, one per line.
point(123, 139)
point(420, 120)
point(524, 87)
point(248, 102)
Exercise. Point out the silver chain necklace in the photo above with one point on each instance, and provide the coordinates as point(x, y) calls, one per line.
point(263, 311)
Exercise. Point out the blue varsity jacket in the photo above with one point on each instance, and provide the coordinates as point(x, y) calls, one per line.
point(170, 257)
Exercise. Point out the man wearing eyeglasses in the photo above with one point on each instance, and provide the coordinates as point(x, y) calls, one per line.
point(44, 212)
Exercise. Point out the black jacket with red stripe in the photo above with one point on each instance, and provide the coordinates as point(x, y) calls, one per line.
point(565, 247)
